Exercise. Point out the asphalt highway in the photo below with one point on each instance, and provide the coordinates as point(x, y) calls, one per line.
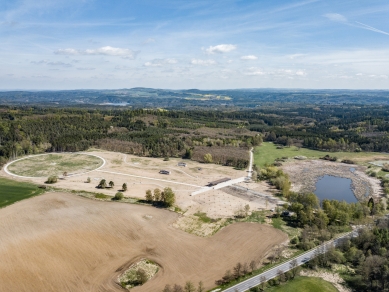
point(286, 266)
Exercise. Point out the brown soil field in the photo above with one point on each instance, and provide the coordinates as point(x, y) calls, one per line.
point(62, 242)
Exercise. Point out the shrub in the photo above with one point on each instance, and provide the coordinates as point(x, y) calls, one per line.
point(101, 196)
point(88, 180)
point(102, 184)
point(168, 197)
point(329, 158)
point(52, 179)
point(118, 196)
point(208, 158)
point(124, 187)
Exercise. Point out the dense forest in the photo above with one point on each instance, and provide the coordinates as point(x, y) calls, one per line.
point(225, 135)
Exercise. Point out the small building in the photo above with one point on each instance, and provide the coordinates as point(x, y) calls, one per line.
point(164, 171)
point(219, 181)
point(181, 164)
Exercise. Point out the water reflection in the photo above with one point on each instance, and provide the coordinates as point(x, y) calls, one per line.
point(335, 188)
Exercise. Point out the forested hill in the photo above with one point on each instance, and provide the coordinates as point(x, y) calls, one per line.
point(193, 98)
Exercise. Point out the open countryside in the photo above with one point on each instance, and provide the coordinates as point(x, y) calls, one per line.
point(194, 146)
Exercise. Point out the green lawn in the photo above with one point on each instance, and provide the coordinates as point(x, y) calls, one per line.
point(268, 152)
point(11, 191)
point(304, 284)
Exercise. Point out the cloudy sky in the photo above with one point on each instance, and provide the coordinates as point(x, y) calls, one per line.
point(75, 44)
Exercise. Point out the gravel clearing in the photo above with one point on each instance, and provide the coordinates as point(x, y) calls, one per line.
point(305, 174)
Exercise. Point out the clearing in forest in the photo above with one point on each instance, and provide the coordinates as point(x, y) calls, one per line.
point(268, 152)
point(54, 164)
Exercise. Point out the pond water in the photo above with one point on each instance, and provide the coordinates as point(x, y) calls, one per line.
point(335, 188)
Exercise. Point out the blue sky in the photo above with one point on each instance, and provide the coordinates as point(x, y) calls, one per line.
point(76, 44)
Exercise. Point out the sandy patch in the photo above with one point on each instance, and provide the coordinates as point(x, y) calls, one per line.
point(142, 173)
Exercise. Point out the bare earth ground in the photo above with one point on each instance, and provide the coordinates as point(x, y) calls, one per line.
point(333, 278)
point(121, 168)
point(62, 242)
point(304, 175)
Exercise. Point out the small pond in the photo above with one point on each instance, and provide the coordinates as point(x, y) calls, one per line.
point(335, 188)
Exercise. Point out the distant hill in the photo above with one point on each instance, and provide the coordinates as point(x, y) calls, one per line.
point(151, 97)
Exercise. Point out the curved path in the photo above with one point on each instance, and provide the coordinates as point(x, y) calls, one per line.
point(70, 175)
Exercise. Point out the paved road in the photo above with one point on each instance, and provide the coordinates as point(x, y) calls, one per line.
point(250, 170)
point(286, 266)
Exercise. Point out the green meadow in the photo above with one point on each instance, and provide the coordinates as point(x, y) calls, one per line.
point(305, 284)
point(268, 152)
point(12, 191)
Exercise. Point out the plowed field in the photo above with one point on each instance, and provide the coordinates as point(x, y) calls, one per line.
point(61, 242)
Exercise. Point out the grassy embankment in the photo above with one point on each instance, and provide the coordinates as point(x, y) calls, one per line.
point(12, 191)
point(305, 284)
point(268, 152)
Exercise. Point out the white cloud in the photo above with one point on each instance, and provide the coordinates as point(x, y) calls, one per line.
point(86, 68)
point(123, 68)
point(296, 56)
point(104, 51)
point(300, 73)
point(220, 49)
point(203, 62)
point(289, 72)
point(249, 57)
point(335, 17)
point(253, 71)
point(67, 52)
point(50, 63)
point(160, 62)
